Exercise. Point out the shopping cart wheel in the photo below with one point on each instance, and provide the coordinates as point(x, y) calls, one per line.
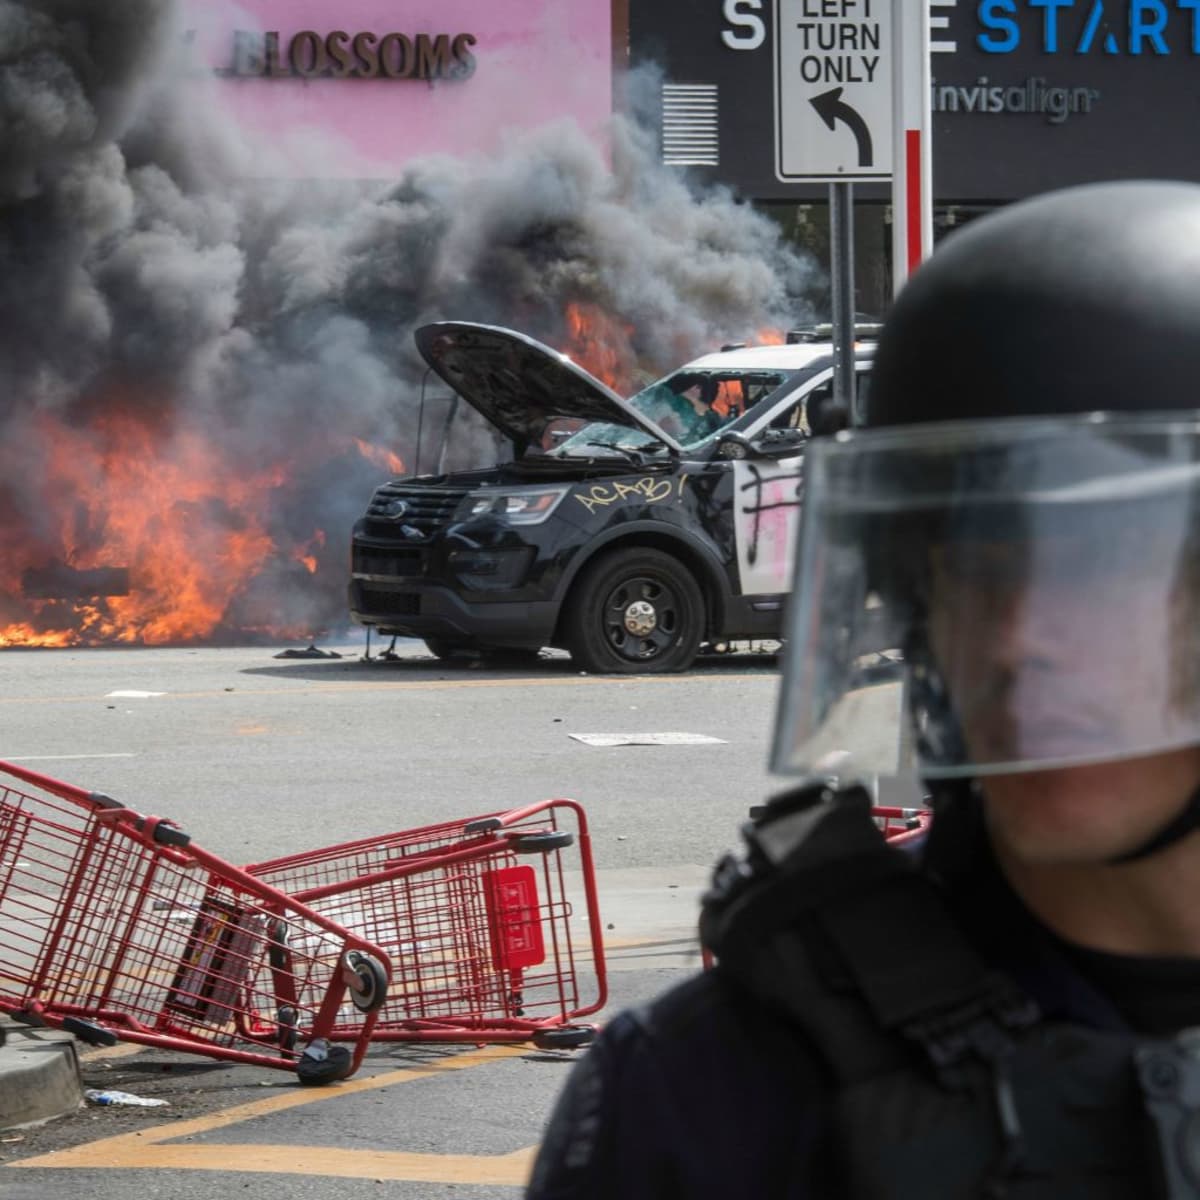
point(323, 1063)
point(543, 842)
point(564, 1037)
point(277, 948)
point(89, 1032)
point(372, 980)
point(286, 1018)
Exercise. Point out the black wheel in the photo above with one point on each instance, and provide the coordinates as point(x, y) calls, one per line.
point(286, 1019)
point(277, 945)
point(542, 842)
point(372, 983)
point(89, 1031)
point(450, 649)
point(632, 611)
point(564, 1037)
point(323, 1063)
point(446, 648)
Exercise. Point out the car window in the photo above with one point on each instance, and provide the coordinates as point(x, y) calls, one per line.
point(693, 405)
point(688, 405)
point(801, 413)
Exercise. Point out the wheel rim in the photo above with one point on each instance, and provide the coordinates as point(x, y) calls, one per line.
point(642, 617)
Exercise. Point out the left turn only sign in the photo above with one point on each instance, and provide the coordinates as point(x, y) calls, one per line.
point(833, 90)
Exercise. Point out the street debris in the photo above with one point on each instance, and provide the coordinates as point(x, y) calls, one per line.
point(108, 1096)
point(310, 651)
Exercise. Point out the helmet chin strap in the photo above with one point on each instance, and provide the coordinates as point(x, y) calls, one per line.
point(1185, 822)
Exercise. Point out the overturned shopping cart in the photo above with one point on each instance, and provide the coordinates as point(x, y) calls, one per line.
point(118, 926)
point(492, 930)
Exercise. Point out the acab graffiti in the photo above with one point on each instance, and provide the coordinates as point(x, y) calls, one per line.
point(648, 489)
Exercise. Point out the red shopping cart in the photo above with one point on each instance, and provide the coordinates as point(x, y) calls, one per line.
point(900, 826)
point(476, 917)
point(118, 926)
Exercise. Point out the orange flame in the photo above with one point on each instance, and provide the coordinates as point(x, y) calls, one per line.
point(768, 337)
point(380, 456)
point(303, 554)
point(600, 343)
point(166, 512)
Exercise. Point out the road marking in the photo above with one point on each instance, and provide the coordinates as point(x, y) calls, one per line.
point(63, 757)
point(158, 1146)
point(648, 739)
point(417, 685)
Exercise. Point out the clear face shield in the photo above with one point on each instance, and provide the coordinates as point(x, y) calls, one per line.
point(994, 596)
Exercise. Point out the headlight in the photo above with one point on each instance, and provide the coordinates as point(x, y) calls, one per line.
point(518, 506)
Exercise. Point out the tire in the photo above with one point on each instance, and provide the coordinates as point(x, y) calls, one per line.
point(89, 1031)
point(447, 649)
point(322, 1063)
point(373, 983)
point(277, 945)
point(564, 1037)
point(286, 1018)
point(634, 611)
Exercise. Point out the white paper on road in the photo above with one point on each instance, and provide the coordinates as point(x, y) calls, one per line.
point(647, 739)
point(133, 695)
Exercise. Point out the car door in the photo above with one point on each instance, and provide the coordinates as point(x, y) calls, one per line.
point(768, 492)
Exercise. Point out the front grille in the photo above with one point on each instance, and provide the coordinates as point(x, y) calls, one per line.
point(368, 561)
point(380, 603)
point(425, 508)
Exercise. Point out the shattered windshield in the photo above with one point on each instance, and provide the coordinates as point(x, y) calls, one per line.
point(691, 406)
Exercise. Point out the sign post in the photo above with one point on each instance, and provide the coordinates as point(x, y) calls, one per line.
point(912, 181)
point(841, 245)
point(833, 123)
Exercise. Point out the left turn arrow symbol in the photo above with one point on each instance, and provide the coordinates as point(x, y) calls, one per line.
point(832, 108)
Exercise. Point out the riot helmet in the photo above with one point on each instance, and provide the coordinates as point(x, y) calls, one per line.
point(1000, 570)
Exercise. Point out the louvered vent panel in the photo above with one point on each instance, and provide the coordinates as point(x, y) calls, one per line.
point(689, 137)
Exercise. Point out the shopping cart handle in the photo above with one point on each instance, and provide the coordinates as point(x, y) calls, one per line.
point(166, 834)
point(483, 825)
point(162, 832)
point(101, 800)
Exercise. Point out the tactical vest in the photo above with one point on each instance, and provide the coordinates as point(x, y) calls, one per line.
point(947, 1081)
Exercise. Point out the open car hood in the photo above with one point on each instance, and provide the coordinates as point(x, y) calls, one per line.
point(520, 385)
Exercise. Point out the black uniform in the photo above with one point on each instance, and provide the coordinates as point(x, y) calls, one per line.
point(713, 1091)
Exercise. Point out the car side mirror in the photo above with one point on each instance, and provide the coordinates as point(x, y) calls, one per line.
point(734, 445)
point(828, 418)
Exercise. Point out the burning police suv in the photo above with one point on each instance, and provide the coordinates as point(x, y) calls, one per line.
point(629, 532)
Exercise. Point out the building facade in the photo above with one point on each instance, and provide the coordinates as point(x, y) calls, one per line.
point(1027, 95)
point(358, 88)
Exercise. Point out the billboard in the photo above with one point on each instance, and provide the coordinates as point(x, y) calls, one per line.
point(1027, 95)
point(358, 87)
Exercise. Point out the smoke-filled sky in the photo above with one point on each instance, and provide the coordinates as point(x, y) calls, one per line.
point(176, 331)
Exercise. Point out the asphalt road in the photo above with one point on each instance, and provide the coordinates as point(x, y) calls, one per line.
point(259, 756)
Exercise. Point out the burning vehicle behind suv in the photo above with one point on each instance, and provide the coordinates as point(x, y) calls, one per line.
point(627, 531)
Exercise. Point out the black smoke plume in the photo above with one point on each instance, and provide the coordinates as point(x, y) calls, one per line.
point(178, 331)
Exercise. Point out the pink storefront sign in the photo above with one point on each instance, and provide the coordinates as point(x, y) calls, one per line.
point(361, 87)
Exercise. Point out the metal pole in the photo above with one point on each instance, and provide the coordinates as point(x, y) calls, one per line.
point(841, 243)
point(912, 170)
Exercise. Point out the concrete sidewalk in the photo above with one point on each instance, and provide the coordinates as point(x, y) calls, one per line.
point(39, 1075)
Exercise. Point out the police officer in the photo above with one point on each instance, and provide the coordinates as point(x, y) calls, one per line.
point(1017, 533)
